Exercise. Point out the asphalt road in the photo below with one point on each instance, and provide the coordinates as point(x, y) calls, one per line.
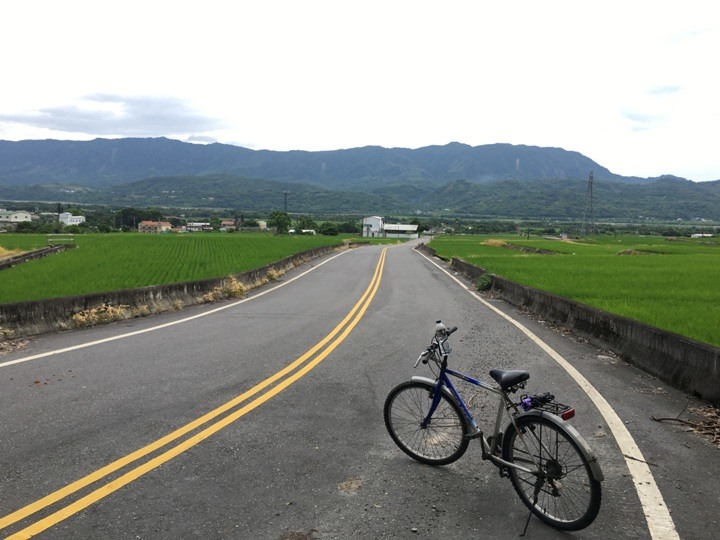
point(173, 427)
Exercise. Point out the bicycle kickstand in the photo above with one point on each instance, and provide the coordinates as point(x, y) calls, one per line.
point(538, 485)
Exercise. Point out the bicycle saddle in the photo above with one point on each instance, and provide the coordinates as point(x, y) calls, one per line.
point(509, 378)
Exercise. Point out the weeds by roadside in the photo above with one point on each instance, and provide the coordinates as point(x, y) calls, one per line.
point(100, 315)
point(231, 288)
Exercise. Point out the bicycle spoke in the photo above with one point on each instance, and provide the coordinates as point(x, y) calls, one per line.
point(567, 497)
point(441, 441)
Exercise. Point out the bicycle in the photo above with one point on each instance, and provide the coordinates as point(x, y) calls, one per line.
point(547, 461)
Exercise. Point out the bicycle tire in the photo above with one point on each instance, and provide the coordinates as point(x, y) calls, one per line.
point(442, 441)
point(569, 497)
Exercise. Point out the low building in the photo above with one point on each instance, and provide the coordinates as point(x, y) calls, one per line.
point(14, 216)
point(400, 230)
point(375, 227)
point(10, 218)
point(66, 218)
point(197, 226)
point(227, 225)
point(154, 227)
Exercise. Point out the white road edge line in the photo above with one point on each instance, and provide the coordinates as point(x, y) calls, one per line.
point(166, 325)
point(656, 512)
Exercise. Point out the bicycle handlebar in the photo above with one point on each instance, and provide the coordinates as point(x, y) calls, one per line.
point(427, 353)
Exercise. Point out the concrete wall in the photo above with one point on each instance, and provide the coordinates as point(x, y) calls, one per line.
point(29, 256)
point(679, 361)
point(40, 316)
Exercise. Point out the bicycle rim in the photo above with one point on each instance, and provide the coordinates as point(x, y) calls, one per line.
point(566, 495)
point(442, 441)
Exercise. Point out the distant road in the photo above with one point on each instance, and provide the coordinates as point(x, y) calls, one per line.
point(263, 419)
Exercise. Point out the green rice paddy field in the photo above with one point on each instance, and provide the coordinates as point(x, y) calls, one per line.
point(108, 262)
point(673, 284)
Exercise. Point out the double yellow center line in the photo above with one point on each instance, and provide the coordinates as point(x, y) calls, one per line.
point(283, 378)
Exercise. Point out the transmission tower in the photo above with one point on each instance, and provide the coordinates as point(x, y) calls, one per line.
point(589, 213)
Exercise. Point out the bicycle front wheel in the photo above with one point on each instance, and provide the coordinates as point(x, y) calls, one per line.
point(442, 441)
point(564, 494)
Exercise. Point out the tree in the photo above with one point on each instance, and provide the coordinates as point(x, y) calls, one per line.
point(349, 227)
point(306, 223)
point(281, 221)
point(25, 227)
point(328, 229)
point(421, 226)
point(129, 218)
point(99, 221)
point(50, 227)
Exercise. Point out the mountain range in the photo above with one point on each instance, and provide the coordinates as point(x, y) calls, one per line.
point(490, 180)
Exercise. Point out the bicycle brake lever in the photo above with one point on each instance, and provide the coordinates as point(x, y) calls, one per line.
point(424, 354)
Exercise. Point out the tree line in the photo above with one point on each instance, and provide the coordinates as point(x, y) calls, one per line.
point(103, 220)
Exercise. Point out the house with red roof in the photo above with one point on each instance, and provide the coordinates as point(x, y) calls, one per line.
point(154, 227)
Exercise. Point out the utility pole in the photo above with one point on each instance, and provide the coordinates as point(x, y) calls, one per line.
point(286, 194)
point(589, 208)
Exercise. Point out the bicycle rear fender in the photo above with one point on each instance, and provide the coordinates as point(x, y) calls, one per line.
point(572, 432)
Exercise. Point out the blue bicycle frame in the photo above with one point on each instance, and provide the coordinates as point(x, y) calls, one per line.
point(444, 380)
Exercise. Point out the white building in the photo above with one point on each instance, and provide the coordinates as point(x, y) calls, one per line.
point(68, 219)
point(375, 227)
point(372, 227)
point(14, 216)
point(197, 226)
point(400, 230)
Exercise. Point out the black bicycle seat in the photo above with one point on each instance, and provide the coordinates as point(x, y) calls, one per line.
point(509, 378)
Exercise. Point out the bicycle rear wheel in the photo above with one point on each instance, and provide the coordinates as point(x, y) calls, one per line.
point(565, 495)
point(442, 441)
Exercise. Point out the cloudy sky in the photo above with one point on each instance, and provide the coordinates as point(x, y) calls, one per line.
point(634, 85)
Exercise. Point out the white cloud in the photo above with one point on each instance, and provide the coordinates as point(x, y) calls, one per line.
point(106, 114)
point(629, 84)
point(201, 139)
point(663, 90)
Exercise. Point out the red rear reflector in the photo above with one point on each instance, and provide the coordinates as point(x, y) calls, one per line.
point(567, 415)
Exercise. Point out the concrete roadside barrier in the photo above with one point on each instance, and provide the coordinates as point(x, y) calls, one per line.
point(9, 262)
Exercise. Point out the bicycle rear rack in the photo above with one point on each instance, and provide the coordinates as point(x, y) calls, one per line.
point(546, 403)
point(566, 412)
